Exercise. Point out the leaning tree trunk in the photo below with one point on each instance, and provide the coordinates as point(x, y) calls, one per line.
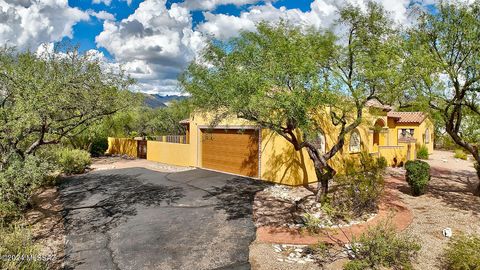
point(324, 173)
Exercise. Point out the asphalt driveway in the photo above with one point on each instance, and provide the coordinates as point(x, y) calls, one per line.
point(141, 219)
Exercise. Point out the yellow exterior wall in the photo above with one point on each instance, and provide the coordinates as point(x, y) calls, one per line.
point(279, 162)
point(419, 131)
point(122, 146)
point(170, 153)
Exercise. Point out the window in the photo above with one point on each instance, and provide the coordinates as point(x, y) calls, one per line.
point(427, 136)
point(406, 133)
point(319, 142)
point(355, 142)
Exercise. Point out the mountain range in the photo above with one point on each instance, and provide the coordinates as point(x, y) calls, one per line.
point(157, 100)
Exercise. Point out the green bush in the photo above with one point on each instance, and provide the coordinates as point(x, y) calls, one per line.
point(463, 253)
point(17, 240)
point(73, 161)
point(380, 247)
point(459, 153)
point(418, 176)
point(382, 163)
point(99, 147)
point(422, 152)
point(18, 182)
point(360, 188)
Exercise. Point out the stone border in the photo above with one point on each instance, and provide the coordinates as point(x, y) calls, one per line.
point(390, 207)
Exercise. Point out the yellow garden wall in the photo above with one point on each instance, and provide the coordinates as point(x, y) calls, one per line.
point(170, 153)
point(122, 146)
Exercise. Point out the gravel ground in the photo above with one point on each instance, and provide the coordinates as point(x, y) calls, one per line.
point(119, 162)
point(449, 202)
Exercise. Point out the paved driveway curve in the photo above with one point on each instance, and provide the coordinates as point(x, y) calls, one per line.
point(141, 219)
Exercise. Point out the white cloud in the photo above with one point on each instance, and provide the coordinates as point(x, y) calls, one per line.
point(27, 23)
point(154, 44)
point(108, 2)
point(212, 4)
point(101, 15)
point(322, 14)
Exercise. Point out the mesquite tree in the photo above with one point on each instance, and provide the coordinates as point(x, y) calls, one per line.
point(283, 77)
point(46, 98)
point(443, 63)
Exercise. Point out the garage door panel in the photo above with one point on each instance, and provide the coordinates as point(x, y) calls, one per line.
point(231, 151)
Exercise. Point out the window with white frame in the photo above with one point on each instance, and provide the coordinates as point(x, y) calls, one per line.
point(427, 136)
point(354, 145)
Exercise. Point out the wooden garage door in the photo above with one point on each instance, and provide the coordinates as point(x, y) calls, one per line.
point(231, 150)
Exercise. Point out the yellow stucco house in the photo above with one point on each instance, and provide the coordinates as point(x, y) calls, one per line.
point(240, 147)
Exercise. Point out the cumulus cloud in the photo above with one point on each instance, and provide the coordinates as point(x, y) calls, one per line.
point(108, 2)
point(101, 15)
point(212, 4)
point(27, 23)
point(322, 14)
point(154, 44)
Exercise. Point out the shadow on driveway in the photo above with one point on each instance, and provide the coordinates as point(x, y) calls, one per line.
point(140, 219)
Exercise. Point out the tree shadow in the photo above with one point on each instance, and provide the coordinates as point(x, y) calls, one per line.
point(455, 188)
point(95, 203)
point(236, 197)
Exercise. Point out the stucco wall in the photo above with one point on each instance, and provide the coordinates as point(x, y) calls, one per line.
point(170, 153)
point(122, 146)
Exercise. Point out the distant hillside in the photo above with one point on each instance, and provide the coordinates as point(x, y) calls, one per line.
point(156, 100)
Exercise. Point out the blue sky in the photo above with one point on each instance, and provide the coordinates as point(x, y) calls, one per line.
point(154, 40)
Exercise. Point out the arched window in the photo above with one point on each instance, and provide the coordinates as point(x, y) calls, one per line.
point(427, 136)
point(355, 142)
point(319, 142)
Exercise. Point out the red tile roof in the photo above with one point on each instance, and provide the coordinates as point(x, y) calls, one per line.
point(408, 117)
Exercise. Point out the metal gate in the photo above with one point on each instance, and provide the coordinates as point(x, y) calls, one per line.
point(142, 149)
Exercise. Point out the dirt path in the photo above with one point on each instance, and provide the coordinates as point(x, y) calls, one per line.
point(449, 202)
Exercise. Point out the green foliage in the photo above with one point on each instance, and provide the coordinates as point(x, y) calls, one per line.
point(73, 161)
point(18, 182)
point(422, 152)
point(99, 146)
point(17, 240)
point(418, 176)
point(312, 223)
point(382, 163)
point(381, 247)
point(463, 253)
point(285, 78)
point(359, 188)
point(446, 43)
point(459, 153)
point(49, 98)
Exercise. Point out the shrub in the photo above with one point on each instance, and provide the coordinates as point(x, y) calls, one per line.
point(360, 188)
point(17, 240)
point(382, 163)
point(73, 161)
point(459, 153)
point(418, 176)
point(380, 247)
point(99, 147)
point(422, 152)
point(18, 182)
point(463, 253)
